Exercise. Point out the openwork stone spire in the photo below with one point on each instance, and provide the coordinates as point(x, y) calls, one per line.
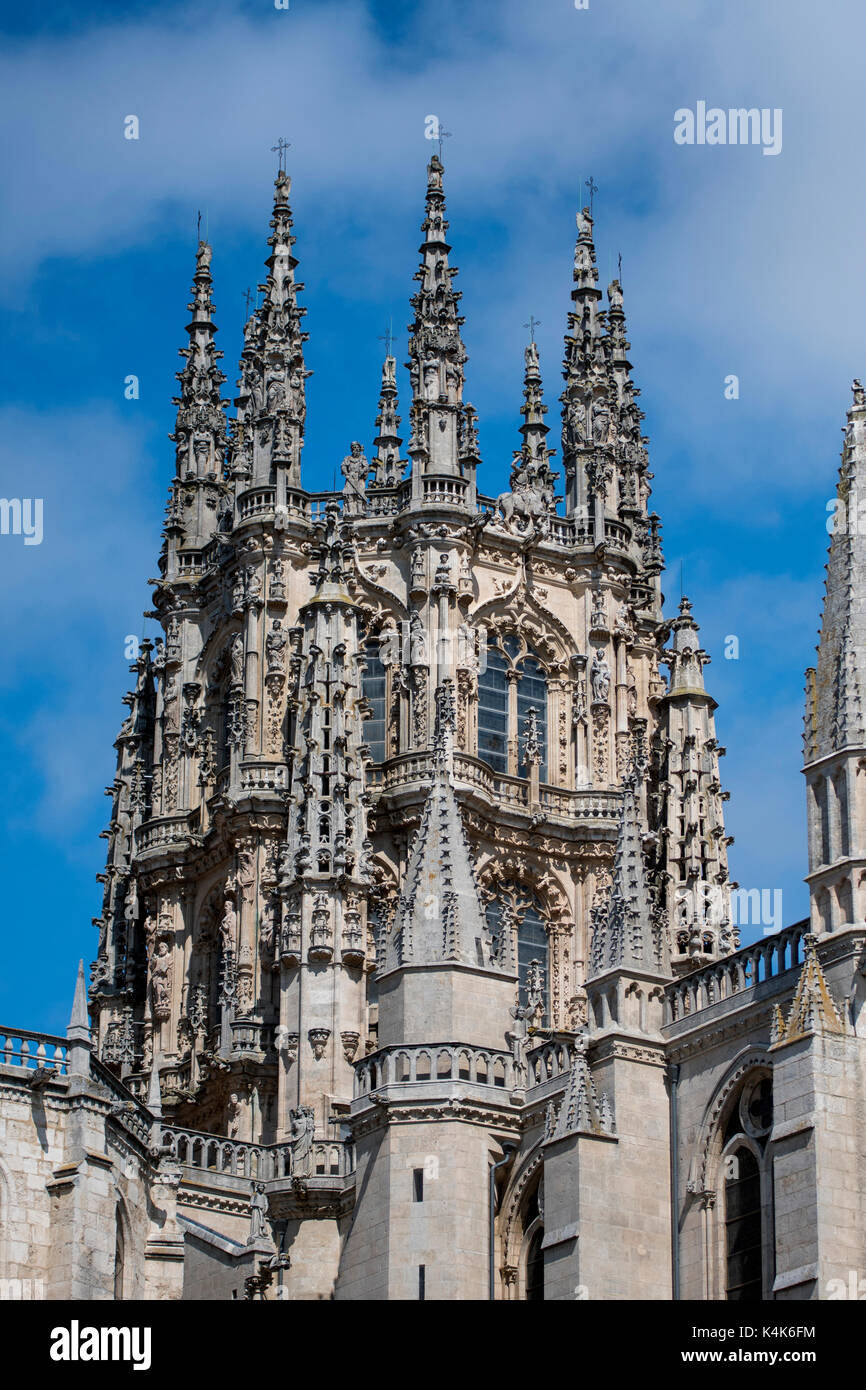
point(436, 351)
point(836, 707)
point(531, 472)
point(387, 465)
point(627, 932)
point(690, 819)
point(585, 400)
point(581, 1110)
point(440, 917)
point(835, 726)
point(271, 400)
point(813, 1009)
point(200, 432)
point(604, 453)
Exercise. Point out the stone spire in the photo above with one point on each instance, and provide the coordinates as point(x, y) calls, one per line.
point(835, 726)
point(813, 1009)
point(586, 399)
point(78, 1028)
point(271, 401)
point(532, 460)
point(627, 931)
point(837, 714)
point(581, 1110)
point(200, 430)
point(387, 465)
point(689, 815)
point(436, 351)
point(440, 917)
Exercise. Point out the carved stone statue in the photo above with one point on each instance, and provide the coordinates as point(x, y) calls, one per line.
point(417, 640)
point(303, 1127)
point(258, 1212)
point(600, 677)
point(160, 981)
point(276, 643)
point(236, 659)
point(229, 926)
point(355, 469)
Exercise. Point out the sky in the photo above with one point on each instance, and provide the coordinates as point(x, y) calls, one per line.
point(734, 262)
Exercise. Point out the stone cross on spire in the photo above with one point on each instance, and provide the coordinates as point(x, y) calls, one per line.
point(279, 149)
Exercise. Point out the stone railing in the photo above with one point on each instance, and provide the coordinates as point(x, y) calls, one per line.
point(384, 501)
point(212, 1153)
point(258, 502)
point(435, 1063)
point(264, 777)
point(734, 974)
point(444, 491)
point(571, 803)
point(164, 830)
point(547, 1059)
point(34, 1051)
point(190, 562)
point(128, 1109)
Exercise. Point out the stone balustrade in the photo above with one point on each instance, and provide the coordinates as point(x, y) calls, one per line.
point(34, 1051)
point(212, 1153)
point(570, 803)
point(164, 830)
point(548, 1059)
point(264, 777)
point(750, 966)
point(259, 502)
point(444, 491)
point(190, 563)
point(434, 1063)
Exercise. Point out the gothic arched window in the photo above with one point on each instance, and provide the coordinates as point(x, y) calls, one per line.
point(373, 691)
point(519, 912)
point(512, 683)
point(535, 1267)
point(747, 1215)
point(119, 1254)
point(493, 711)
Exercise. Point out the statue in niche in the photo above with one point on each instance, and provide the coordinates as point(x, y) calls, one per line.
point(600, 677)
point(276, 643)
point(600, 423)
point(417, 641)
point(229, 926)
point(236, 659)
point(160, 981)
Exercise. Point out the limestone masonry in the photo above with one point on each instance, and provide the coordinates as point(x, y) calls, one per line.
point(417, 972)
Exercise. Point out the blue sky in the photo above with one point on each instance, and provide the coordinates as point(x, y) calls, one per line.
point(732, 262)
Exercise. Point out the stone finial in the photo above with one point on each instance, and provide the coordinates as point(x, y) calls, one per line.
point(78, 1029)
point(627, 932)
point(581, 1110)
point(813, 1009)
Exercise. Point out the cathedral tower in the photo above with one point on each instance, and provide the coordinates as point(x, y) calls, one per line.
point(835, 725)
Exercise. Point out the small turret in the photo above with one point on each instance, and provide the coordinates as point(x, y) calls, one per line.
point(387, 465)
point(689, 806)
